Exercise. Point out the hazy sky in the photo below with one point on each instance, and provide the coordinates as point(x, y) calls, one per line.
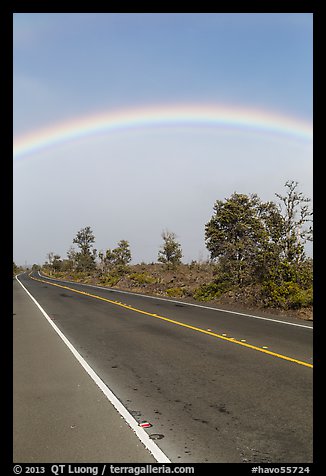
point(136, 181)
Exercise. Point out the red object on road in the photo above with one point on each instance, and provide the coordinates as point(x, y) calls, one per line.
point(145, 424)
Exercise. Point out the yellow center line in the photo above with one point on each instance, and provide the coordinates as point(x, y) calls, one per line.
point(178, 323)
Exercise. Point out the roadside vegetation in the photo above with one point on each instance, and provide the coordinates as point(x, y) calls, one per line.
point(16, 269)
point(257, 258)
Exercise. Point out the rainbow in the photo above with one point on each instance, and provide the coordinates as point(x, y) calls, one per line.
point(158, 116)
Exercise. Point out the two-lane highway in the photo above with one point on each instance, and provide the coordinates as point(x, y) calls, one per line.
point(216, 386)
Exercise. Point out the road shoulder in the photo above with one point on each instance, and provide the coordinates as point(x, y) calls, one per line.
point(60, 414)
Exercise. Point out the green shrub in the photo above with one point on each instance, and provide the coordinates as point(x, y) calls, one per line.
point(208, 292)
point(175, 292)
point(288, 295)
point(110, 280)
point(142, 278)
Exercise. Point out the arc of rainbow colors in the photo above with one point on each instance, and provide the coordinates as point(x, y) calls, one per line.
point(245, 119)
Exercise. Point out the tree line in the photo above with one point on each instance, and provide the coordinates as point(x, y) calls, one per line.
point(250, 242)
point(85, 259)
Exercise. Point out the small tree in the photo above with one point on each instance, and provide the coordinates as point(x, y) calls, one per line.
point(235, 234)
point(297, 218)
point(15, 268)
point(56, 263)
point(106, 260)
point(53, 262)
point(67, 265)
point(288, 281)
point(170, 252)
point(122, 254)
point(72, 258)
point(50, 258)
point(86, 257)
point(84, 240)
point(117, 258)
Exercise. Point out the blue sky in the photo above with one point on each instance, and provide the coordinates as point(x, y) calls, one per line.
point(133, 185)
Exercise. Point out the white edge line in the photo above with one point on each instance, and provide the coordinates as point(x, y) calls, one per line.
point(181, 302)
point(140, 432)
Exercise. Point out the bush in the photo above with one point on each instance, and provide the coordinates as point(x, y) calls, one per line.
point(175, 292)
point(211, 291)
point(110, 280)
point(288, 295)
point(142, 278)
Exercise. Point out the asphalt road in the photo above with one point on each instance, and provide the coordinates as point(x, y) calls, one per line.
point(215, 386)
point(60, 414)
